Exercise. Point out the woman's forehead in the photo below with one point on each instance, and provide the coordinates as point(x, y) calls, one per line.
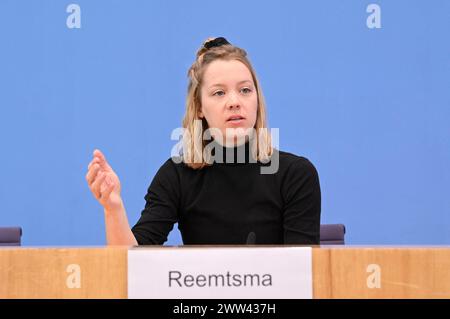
point(223, 72)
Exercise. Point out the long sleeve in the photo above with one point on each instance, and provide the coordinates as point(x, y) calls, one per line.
point(161, 210)
point(302, 197)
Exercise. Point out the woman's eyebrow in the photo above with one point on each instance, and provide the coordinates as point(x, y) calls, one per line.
point(220, 84)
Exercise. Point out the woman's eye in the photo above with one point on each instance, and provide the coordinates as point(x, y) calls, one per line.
point(246, 90)
point(219, 93)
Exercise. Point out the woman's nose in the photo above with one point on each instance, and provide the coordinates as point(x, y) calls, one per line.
point(233, 101)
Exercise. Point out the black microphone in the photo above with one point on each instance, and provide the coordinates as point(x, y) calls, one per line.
point(251, 238)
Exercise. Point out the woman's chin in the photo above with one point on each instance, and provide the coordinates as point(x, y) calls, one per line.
point(236, 140)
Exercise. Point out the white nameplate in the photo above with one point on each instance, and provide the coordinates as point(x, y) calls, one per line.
point(216, 272)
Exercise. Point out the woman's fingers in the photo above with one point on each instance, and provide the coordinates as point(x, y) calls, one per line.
point(92, 173)
point(94, 161)
point(96, 185)
point(97, 164)
point(101, 178)
point(101, 160)
point(108, 189)
point(98, 153)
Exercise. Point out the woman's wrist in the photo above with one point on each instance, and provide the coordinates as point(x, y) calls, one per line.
point(115, 210)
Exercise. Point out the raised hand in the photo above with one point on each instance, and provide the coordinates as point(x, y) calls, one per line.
point(104, 183)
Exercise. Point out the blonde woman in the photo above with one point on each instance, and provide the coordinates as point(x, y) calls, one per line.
point(216, 189)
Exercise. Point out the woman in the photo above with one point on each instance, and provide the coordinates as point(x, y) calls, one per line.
point(217, 189)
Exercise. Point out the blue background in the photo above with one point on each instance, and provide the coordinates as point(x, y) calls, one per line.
point(369, 107)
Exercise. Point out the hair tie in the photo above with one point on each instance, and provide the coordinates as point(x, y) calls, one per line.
point(217, 42)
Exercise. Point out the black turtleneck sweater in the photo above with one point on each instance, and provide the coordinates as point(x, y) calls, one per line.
point(233, 203)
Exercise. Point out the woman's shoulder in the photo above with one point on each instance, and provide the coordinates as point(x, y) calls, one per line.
point(290, 162)
point(169, 170)
point(175, 166)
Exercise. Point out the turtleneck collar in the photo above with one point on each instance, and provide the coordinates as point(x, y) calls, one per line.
point(239, 154)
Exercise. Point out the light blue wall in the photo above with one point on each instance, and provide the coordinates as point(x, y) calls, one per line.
point(369, 107)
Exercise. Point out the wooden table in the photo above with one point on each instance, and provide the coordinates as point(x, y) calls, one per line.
point(338, 272)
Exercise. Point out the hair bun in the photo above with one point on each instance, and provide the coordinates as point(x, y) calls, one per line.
point(211, 43)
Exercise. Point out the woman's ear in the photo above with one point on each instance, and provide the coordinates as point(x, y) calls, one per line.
point(200, 114)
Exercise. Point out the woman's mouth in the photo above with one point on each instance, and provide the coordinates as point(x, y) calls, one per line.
point(235, 119)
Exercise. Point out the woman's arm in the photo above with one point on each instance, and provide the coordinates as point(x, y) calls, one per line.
point(105, 186)
point(301, 189)
point(118, 230)
point(162, 204)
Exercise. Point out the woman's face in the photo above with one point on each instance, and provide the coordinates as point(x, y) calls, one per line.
point(228, 98)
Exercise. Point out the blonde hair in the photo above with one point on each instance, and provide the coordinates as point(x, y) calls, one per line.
point(192, 149)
